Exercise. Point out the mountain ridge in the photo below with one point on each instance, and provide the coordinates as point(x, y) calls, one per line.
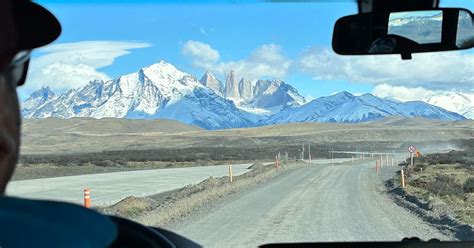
point(344, 107)
point(161, 90)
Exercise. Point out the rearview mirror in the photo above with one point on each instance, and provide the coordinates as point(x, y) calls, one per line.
point(442, 29)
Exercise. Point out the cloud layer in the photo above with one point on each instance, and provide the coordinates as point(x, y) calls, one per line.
point(71, 65)
point(459, 102)
point(403, 93)
point(265, 61)
point(437, 71)
point(434, 71)
point(202, 54)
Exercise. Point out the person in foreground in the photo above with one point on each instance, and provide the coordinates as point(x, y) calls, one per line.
point(29, 223)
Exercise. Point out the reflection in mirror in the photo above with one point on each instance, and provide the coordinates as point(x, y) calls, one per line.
point(465, 33)
point(404, 33)
point(422, 27)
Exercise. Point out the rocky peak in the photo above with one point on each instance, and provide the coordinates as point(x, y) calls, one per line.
point(232, 86)
point(245, 89)
point(210, 81)
point(45, 92)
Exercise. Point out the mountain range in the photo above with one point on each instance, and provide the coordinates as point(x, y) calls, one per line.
point(462, 103)
point(162, 91)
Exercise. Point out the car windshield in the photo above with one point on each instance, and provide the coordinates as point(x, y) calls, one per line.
point(235, 124)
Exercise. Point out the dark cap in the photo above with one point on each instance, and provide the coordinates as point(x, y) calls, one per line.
point(35, 25)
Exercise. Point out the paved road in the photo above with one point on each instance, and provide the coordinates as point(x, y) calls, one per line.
point(318, 203)
point(109, 188)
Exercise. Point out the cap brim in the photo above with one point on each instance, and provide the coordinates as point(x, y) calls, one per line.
point(36, 26)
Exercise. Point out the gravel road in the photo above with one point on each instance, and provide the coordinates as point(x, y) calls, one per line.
point(345, 202)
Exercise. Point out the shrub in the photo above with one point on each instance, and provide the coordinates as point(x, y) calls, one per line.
point(105, 163)
point(121, 162)
point(444, 185)
point(419, 167)
point(469, 185)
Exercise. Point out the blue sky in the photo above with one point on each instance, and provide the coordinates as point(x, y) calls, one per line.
point(278, 37)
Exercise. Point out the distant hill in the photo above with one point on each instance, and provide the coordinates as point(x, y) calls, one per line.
point(105, 126)
point(347, 108)
point(79, 135)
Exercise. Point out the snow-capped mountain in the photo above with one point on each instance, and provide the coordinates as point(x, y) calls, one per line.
point(36, 99)
point(419, 19)
point(162, 91)
point(347, 108)
point(261, 96)
point(274, 93)
point(462, 103)
point(157, 91)
point(211, 82)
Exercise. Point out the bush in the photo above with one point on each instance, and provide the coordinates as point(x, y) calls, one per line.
point(444, 185)
point(121, 162)
point(105, 163)
point(419, 167)
point(464, 158)
point(469, 185)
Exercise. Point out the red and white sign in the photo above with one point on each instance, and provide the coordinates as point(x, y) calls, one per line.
point(412, 149)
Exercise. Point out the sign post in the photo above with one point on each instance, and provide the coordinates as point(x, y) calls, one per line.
point(411, 149)
point(309, 153)
point(231, 179)
point(402, 178)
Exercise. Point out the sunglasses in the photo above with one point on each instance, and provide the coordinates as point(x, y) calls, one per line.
point(18, 68)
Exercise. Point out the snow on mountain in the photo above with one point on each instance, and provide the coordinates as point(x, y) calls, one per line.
point(209, 111)
point(347, 108)
point(211, 82)
point(274, 93)
point(262, 97)
point(157, 91)
point(36, 100)
point(462, 103)
point(405, 20)
point(162, 91)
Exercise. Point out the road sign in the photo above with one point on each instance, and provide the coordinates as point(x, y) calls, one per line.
point(412, 149)
point(418, 154)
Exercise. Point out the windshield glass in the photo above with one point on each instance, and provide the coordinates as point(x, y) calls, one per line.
point(235, 124)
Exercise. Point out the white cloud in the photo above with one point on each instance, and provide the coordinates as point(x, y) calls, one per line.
point(265, 61)
point(437, 71)
point(71, 65)
point(459, 102)
point(201, 53)
point(402, 93)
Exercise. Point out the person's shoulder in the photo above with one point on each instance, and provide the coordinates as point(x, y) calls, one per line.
point(35, 223)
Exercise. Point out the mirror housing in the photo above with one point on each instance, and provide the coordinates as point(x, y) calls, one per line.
point(404, 33)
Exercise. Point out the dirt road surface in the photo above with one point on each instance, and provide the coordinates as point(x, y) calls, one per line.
point(344, 202)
